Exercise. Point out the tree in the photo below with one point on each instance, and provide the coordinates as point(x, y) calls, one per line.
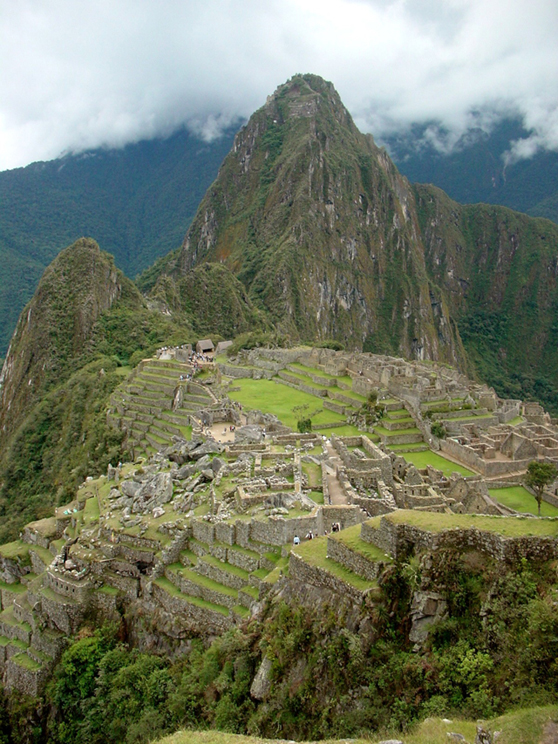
point(539, 475)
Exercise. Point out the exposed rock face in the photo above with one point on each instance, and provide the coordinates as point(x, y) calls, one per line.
point(318, 224)
point(79, 285)
point(332, 242)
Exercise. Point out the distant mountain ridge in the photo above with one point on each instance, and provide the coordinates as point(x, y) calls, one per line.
point(137, 202)
point(477, 169)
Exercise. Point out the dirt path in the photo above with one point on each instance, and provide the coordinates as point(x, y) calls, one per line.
point(336, 494)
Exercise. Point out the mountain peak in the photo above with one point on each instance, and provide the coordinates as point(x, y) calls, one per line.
point(312, 218)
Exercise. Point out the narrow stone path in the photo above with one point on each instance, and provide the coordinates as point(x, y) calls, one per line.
point(336, 494)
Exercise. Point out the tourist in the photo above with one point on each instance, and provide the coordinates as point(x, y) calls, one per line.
point(296, 540)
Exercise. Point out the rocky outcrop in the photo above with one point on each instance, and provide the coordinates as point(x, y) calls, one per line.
point(55, 328)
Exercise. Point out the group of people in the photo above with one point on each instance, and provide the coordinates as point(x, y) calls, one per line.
point(310, 535)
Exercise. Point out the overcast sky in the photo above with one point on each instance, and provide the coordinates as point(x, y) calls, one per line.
point(77, 74)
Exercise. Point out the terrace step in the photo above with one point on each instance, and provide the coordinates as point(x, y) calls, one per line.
point(214, 613)
point(231, 576)
point(196, 585)
point(12, 628)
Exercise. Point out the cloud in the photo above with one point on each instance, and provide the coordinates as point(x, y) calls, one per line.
point(78, 75)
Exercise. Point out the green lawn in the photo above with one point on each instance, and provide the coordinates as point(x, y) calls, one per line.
point(506, 526)
point(520, 499)
point(340, 431)
point(422, 459)
point(351, 538)
point(314, 552)
point(272, 397)
point(314, 473)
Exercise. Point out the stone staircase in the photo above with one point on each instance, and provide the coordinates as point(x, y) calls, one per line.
point(156, 404)
point(28, 651)
point(456, 415)
point(222, 580)
point(398, 428)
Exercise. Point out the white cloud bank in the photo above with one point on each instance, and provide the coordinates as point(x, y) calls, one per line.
point(77, 75)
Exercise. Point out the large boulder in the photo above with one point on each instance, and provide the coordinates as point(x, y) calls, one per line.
point(155, 491)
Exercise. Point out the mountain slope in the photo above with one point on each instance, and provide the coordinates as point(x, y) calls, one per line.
point(321, 229)
point(137, 202)
point(332, 242)
point(477, 169)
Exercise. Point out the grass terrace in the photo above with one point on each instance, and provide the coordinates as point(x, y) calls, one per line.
point(505, 526)
point(171, 589)
point(16, 550)
point(272, 397)
point(352, 539)
point(341, 431)
point(422, 459)
point(521, 500)
point(314, 552)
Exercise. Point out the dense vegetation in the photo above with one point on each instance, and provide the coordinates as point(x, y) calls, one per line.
point(476, 170)
point(496, 650)
point(136, 202)
point(74, 352)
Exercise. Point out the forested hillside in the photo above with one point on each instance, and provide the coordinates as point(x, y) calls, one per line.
point(136, 202)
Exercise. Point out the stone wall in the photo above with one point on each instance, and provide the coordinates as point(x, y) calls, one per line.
point(29, 681)
point(301, 571)
point(346, 516)
point(487, 468)
point(60, 584)
point(66, 615)
point(203, 531)
point(399, 539)
point(355, 562)
point(279, 531)
point(196, 617)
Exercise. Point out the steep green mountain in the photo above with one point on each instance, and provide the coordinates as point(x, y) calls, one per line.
point(74, 341)
point(321, 229)
point(331, 241)
point(137, 202)
point(476, 170)
point(498, 270)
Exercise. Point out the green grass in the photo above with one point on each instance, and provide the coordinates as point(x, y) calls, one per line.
point(314, 473)
point(26, 661)
point(204, 581)
point(317, 497)
point(311, 371)
point(505, 526)
point(47, 592)
point(111, 590)
point(515, 421)
point(517, 727)
point(406, 447)
point(15, 588)
point(340, 431)
point(397, 433)
point(521, 500)
point(422, 459)
point(91, 510)
point(171, 589)
point(15, 550)
point(349, 394)
point(272, 397)
point(123, 371)
point(228, 567)
point(44, 554)
point(351, 538)
point(314, 552)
